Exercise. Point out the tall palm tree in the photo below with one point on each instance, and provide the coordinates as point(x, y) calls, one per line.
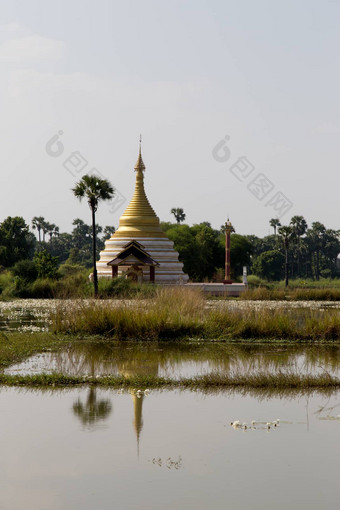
point(94, 189)
point(37, 223)
point(178, 213)
point(53, 230)
point(317, 237)
point(275, 222)
point(286, 234)
point(299, 225)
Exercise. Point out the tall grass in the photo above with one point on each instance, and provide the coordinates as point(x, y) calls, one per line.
point(265, 294)
point(172, 312)
point(180, 312)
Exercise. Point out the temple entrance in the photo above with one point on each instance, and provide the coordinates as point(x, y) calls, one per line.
point(131, 261)
point(134, 274)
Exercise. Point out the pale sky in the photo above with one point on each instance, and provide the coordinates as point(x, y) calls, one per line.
point(185, 74)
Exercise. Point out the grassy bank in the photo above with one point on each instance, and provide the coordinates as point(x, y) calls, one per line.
point(15, 347)
point(260, 381)
point(182, 313)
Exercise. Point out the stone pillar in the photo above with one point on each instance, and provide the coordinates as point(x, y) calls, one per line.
point(228, 229)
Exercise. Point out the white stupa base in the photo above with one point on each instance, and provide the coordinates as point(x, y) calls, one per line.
point(169, 271)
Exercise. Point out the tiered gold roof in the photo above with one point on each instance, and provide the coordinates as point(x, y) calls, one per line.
point(139, 218)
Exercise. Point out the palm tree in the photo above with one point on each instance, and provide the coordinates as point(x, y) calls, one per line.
point(37, 223)
point(275, 222)
point(53, 230)
point(286, 234)
point(317, 237)
point(299, 225)
point(178, 213)
point(94, 189)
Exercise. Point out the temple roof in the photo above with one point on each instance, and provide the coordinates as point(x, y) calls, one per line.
point(134, 249)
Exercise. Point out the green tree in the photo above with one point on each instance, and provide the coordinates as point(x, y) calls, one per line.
point(275, 222)
point(287, 236)
point(269, 265)
point(299, 225)
point(95, 190)
point(316, 237)
point(178, 213)
point(331, 250)
point(82, 243)
point(16, 241)
point(184, 243)
point(26, 270)
point(37, 224)
point(46, 264)
point(240, 253)
point(53, 230)
point(60, 246)
point(107, 232)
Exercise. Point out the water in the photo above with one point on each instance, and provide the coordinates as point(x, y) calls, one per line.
point(180, 360)
point(86, 449)
point(89, 448)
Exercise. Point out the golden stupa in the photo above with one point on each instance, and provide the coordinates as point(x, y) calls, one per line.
point(140, 223)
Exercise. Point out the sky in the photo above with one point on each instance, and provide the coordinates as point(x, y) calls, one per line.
point(237, 102)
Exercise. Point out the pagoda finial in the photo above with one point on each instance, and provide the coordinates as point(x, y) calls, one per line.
point(140, 164)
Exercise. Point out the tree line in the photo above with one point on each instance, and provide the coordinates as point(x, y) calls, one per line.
point(292, 251)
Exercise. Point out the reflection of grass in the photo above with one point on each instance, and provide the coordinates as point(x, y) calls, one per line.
point(178, 313)
point(259, 381)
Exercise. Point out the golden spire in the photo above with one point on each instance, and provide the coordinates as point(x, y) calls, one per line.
point(139, 166)
point(139, 218)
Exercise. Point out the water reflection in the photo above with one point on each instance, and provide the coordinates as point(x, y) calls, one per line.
point(92, 410)
point(190, 457)
point(176, 360)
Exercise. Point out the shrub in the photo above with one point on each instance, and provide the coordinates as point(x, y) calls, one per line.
point(26, 270)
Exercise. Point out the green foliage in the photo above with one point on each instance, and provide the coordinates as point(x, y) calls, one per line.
point(6, 283)
point(68, 269)
point(178, 213)
point(26, 270)
point(16, 241)
point(124, 288)
point(240, 253)
point(46, 264)
point(269, 265)
point(199, 249)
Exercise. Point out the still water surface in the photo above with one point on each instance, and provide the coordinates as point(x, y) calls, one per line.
point(182, 359)
point(86, 449)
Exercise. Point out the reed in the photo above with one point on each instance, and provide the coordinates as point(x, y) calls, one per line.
point(172, 313)
point(181, 313)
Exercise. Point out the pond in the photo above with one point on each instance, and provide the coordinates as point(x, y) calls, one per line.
point(91, 448)
point(177, 360)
